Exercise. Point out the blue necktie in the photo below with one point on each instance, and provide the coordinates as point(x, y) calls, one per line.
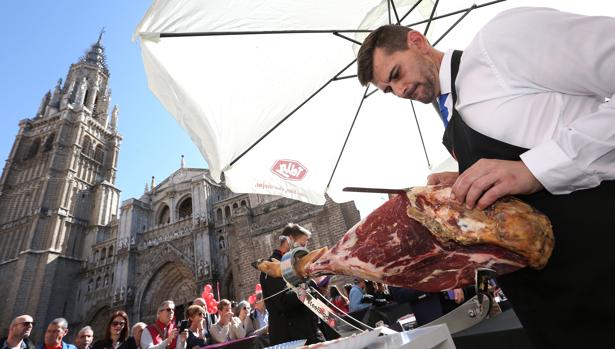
point(443, 109)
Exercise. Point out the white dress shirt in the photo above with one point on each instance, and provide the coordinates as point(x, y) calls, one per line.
point(538, 78)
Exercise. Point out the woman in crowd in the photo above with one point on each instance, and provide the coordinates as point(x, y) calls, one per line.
point(338, 299)
point(116, 334)
point(197, 334)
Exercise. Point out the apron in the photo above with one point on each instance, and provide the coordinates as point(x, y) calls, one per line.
point(571, 302)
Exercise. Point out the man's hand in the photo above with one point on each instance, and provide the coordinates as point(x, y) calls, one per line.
point(172, 336)
point(488, 180)
point(443, 178)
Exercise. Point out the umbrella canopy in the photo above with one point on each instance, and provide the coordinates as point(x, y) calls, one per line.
point(266, 90)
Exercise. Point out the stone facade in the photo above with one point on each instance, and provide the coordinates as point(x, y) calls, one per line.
point(71, 254)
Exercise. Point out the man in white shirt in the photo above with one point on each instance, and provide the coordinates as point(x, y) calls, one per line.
point(228, 327)
point(163, 334)
point(527, 115)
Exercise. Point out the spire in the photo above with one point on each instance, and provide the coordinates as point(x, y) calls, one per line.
point(153, 182)
point(182, 163)
point(96, 54)
point(146, 188)
point(114, 113)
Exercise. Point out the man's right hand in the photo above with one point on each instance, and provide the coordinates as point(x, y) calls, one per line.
point(442, 178)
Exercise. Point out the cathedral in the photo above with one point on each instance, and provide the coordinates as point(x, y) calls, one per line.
point(69, 248)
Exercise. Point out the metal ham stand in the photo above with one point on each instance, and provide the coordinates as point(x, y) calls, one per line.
point(465, 316)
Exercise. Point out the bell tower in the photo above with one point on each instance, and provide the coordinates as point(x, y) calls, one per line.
point(57, 193)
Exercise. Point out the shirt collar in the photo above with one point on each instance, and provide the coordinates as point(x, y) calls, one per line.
point(445, 73)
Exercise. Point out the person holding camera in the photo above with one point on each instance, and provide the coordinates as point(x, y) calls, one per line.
point(228, 327)
point(197, 334)
point(163, 334)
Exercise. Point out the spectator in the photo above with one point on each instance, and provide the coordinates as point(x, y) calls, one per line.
point(356, 296)
point(19, 333)
point(228, 327)
point(260, 316)
point(289, 319)
point(162, 334)
point(116, 333)
point(137, 331)
point(338, 299)
point(56, 331)
point(84, 338)
point(347, 288)
point(208, 319)
point(197, 334)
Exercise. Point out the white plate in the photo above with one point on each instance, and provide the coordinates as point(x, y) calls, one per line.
point(356, 341)
point(289, 345)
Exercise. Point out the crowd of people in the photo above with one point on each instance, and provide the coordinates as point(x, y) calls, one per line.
point(232, 321)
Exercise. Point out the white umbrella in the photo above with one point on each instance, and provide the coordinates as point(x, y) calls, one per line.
point(265, 89)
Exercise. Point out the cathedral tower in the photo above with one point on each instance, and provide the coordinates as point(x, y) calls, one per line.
point(58, 194)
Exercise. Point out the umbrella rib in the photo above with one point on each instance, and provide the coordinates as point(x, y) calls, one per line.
point(345, 77)
point(347, 136)
point(455, 12)
point(392, 4)
point(347, 38)
point(420, 135)
point(371, 93)
point(455, 24)
point(290, 114)
point(409, 11)
point(264, 32)
point(433, 11)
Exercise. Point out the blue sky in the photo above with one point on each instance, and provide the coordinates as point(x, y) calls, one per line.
point(40, 40)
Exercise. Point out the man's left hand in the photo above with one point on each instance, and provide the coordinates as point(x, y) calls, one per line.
point(488, 180)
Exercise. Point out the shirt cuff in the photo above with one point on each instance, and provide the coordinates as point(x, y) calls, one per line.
point(555, 170)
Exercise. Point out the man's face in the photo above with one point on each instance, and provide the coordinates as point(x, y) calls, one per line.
point(54, 334)
point(22, 327)
point(226, 313)
point(408, 74)
point(165, 315)
point(302, 240)
point(260, 306)
point(85, 339)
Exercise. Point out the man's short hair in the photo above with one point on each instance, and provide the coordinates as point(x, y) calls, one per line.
point(391, 38)
point(61, 322)
point(85, 328)
point(259, 296)
point(295, 230)
point(223, 303)
point(165, 304)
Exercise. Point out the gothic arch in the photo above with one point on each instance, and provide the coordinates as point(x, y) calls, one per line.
point(98, 320)
point(184, 209)
point(172, 280)
point(86, 146)
point(164, 215)
point(99, 153)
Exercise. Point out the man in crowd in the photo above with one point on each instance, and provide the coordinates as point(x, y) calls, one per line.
point(289, 319)
point(19, 333)
point(356, 296)
point(228, 327)
point(529, 110)
point(84, 338)
point(56, 331)
point(260, 314)
point(162, 333)
point(137, 330)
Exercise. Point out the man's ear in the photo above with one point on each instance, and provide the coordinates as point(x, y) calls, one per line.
point(417, 40)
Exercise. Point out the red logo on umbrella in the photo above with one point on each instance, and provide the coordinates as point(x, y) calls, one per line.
point(289, 169)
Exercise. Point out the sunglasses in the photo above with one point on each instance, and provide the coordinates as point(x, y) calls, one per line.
point(118, 323)
point(169, 310)
point(26, 323)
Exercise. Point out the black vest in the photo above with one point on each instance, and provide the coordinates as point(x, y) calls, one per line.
point(571, 302)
